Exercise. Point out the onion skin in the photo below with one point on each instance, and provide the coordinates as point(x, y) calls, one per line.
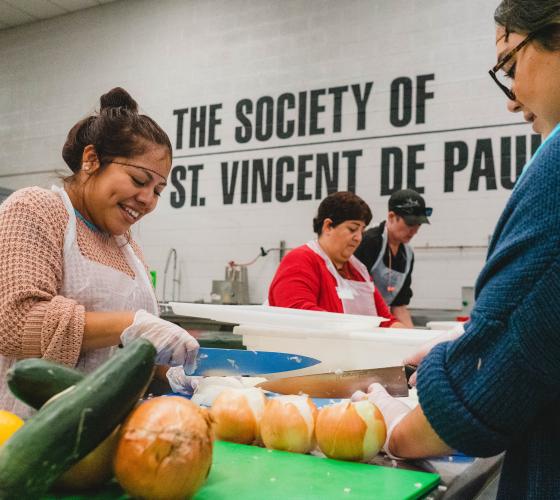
point(235, 419)
point(342, 433)
point(283, 427)
point(94, 470)
point(165, 449)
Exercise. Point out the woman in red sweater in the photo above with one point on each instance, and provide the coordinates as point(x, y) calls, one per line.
point(323, 274)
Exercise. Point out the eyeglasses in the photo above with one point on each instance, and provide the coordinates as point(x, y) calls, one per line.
point(141, 167)
point(503, 77)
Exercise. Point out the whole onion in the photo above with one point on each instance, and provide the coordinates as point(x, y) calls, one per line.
point(95, 469)
point(165, 449)
point(350, 431)
point(237, 414)
point(288, 422)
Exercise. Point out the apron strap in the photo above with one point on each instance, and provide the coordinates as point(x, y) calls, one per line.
point(70, 232)
point(384, 241)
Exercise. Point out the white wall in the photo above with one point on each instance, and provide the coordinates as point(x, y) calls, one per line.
point(185, 54)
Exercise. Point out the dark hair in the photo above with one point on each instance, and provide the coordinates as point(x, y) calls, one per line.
point(117, 130)
point(340, 207)
point(541, 17)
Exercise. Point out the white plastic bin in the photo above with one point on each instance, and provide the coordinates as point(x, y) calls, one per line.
point(345, 350)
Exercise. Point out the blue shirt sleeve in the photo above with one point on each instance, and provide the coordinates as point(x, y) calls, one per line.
point(480, 391)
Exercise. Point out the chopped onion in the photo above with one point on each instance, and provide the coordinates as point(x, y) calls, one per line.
point(237, 414)
point(350, 430)
point(288, 424)
point(165, 449)
point(209, 388)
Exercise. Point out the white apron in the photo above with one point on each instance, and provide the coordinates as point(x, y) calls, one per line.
point(98, 288)
point(356, 296)
point(389, 282)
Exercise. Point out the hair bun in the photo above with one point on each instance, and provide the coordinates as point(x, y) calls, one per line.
point(118, 98)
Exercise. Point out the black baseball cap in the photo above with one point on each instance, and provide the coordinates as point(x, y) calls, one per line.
point(410, 206)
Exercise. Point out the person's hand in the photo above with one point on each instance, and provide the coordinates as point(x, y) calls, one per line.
point(419, 355)
point(180, 382)
point(392, 409)
point(173, 344)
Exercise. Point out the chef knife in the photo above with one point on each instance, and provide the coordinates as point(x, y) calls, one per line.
point(342, 384)
point(223, 362)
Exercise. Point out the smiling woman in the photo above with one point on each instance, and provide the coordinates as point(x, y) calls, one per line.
point(120, 160)
point(324, 275)
point(74, 284)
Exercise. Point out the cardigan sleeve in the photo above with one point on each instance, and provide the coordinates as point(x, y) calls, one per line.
point(296, 282)
point(484, 389)
point(36, 320)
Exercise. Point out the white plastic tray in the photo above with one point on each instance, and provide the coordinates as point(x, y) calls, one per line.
point(268, 315)
point(345, 350)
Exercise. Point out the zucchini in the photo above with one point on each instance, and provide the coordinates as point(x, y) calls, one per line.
point(34, 381)
point(64, 431)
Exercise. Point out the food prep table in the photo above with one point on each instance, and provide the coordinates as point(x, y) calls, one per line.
point(460, 477)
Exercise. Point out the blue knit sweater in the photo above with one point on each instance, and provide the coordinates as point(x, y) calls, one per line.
point(497, 387)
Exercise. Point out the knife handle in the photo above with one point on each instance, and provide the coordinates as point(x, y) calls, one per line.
point(409, 370)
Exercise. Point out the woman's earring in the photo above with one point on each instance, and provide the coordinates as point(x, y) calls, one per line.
point(85, 167)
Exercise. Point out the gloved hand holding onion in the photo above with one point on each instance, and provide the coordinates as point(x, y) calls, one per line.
point(392, 410)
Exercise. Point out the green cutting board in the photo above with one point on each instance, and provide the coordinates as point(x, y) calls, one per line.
point(241, 472)
point(248, 472)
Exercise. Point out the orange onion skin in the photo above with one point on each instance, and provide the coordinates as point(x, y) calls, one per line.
point(234, 419)
point(165, 449)
point(92, 471)
point(340, 432)
point(284, 428)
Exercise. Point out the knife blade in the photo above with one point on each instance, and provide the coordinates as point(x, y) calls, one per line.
point(223, 362)
point(342, 384)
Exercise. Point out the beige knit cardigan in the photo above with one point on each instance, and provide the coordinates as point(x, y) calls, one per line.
point(35, 320)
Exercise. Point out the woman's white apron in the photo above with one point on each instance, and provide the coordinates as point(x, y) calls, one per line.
point(356, 296)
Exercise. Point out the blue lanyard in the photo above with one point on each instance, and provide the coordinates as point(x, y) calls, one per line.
point(88, 223)
point(554, 132)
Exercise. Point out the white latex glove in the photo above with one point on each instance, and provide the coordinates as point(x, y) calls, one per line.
point(180, 382)
point(173, 344)
point(419, 355)
point(392, 409)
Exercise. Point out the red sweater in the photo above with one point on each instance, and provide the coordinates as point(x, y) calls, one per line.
point(303, 281)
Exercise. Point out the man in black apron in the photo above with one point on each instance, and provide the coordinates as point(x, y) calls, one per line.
point(388, 256)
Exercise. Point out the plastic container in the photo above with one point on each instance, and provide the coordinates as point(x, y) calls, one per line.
point(337, 349)
point(340, 341)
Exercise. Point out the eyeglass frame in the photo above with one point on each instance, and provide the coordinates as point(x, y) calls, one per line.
point(140, 167)
point(507, 91)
